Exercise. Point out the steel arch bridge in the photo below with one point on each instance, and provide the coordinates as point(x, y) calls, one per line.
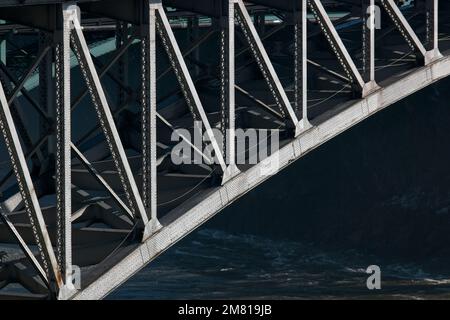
point(92, 91)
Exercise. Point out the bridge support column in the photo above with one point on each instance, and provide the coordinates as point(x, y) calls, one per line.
point(148, 110)
point(432, 30)
point(368, 43)
point(301, 62)
point(63, 151)
point(227, 92)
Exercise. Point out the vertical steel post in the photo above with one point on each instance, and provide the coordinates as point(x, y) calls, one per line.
point(432, 26)
point(372, 28)
point(301, 62)
point(63, 150)
point(227, 75)
point(149, 147)
point(369, 11)
point(366, 43)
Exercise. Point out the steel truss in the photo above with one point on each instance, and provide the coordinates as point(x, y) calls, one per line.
point(149, 23)
point(427, 56)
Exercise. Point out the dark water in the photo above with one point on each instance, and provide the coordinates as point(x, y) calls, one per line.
point(216, 265)
point(377, 194)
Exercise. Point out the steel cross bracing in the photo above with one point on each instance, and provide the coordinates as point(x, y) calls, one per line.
point(104, 195)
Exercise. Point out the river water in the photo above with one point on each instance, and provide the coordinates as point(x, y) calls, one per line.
point(378, 194)
point(213, 264)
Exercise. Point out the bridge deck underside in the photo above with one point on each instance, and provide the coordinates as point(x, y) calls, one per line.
point(106, 242)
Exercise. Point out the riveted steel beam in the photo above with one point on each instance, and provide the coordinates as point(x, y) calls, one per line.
point(28, 193)
point(197, 43)
point(368, 44)
point(336, 44)
point(107, 123)
point(266, 67)
point(184, 78)
point(148, 111)
point(63, 157)
point(402, 24)
point(432, 29)
point(301, 62)
point(227, 92)
point(432, 25)
point(118, 54)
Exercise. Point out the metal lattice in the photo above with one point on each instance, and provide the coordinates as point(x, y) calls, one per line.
point(95, 101)
point(258, 60)
point(178, 73)
point(325, 32)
